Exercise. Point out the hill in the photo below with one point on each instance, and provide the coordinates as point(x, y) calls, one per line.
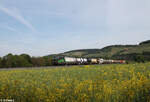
point(128, 52)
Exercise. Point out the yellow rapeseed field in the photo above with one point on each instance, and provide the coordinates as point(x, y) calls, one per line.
point(89, 83)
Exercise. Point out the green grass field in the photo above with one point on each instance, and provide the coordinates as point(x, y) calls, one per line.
point(89, 83)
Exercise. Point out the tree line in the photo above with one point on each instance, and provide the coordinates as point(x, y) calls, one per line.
point(24, 60)
point(135, 57)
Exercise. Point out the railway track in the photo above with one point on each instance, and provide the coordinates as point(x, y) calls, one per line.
point(44, 67)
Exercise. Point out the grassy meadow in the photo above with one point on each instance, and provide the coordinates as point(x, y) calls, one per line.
point(89, 83)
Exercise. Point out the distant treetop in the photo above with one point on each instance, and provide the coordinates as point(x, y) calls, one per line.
point(145, 42)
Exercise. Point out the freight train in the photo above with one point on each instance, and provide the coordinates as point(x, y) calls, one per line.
point(63, 60)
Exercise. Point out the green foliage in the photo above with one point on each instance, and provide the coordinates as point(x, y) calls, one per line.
point(26, 57)
point(9, 61)
point(0, 62)
point(38, 61)
point(24, 60)
point(139, 59)
point(48, 61)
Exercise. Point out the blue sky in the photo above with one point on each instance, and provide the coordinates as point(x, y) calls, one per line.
point(42, 27)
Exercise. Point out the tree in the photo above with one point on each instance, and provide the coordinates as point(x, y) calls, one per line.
point(0, 62)
point(139, 59)
point(8, 61)
point(26, 59)
point(38, 61)
point(48, 61)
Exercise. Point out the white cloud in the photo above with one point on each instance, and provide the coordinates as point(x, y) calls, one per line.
point(16, 14)
point(11, 29)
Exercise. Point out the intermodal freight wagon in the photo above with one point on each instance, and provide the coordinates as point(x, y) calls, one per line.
point(63, 60)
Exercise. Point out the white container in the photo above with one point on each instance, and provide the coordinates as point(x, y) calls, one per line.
point(85, 60)
point(70, 59)
point(79, 59)
point(101, 61)
point(94, 60)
